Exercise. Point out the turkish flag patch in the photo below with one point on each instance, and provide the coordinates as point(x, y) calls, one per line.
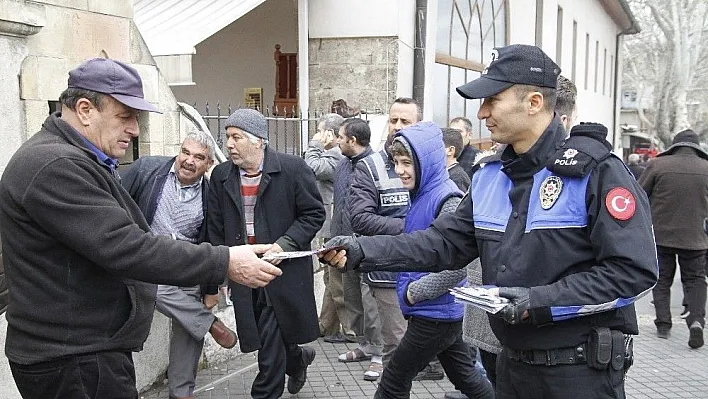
point(620, 203)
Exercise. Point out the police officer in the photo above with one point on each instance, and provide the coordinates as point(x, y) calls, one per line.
point(561, 228)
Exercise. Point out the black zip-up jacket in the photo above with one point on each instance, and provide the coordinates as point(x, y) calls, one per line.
point(579, 276)
point(75, 245)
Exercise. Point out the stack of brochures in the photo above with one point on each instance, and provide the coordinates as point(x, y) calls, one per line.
point(480, 297)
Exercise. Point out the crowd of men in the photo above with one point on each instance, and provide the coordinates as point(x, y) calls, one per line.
point(549, 219)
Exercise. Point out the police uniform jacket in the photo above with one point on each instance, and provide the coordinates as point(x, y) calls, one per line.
point(579, 237)
point(378, 204)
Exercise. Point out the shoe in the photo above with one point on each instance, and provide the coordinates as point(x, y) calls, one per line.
point(336, 338)
point(663, 332)
point(223, 335)
point(695, 338)
point(297, 381)
point(374, 371)
point(685, 313)
point(351, 338)
point(455, 395)
point(354, 355)
point(429, 374)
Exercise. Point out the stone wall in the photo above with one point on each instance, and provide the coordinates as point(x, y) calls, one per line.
point(362, 71)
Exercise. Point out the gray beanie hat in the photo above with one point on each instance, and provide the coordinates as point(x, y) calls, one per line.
point(250, 121)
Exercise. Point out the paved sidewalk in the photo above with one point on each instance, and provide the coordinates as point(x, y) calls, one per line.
point(662, 369)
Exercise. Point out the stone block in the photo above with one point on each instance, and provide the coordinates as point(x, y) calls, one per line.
point(36, 112)
point(31, 16)
point(170, 129)
point(151, 127)
point(119, 8)
point(77, 4)
point(78, 35)
point(151, 362)
point(150, 148)
point(149, 76)
point(139, 52)
point(43, 78)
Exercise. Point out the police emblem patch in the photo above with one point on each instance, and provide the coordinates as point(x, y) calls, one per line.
point(550, 191)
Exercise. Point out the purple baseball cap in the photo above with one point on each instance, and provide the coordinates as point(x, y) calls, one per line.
point(115, 78)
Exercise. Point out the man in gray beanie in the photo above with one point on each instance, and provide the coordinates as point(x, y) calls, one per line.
point(676, 183)
point(269, 197)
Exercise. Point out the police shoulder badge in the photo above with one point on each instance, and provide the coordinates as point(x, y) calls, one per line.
point(550, 191)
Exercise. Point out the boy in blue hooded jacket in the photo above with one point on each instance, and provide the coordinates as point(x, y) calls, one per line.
point(434, 318)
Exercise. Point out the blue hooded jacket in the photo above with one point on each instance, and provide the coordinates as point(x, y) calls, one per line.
point(432, 188)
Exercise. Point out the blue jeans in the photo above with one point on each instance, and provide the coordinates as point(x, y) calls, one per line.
point(423, 341)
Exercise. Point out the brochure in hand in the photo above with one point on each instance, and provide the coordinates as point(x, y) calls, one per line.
point(299, 254)
point(479, 296)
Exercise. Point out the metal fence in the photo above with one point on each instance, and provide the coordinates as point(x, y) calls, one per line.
point(285, 134)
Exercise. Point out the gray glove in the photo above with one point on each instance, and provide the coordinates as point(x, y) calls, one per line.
point(354, 252)
point(518, 297)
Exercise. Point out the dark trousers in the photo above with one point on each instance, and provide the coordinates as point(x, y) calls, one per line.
point(693, 277)
point(422, 342)
point(100, 375)
point(489, 362)
point(275, 358)
point(518, 380)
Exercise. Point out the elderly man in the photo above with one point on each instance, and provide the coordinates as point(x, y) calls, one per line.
point(172, 194)
point(561, 229)
point(263, 196)
point(80, 261)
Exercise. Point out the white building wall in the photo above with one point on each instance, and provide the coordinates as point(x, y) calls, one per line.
point(591, 19)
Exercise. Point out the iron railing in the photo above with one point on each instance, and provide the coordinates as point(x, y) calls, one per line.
point(288, 134)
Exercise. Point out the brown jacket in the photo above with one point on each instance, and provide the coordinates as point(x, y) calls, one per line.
point(676, 183)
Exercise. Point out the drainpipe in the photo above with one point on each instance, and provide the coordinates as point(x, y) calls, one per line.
point(421, 10)
point(631, 30)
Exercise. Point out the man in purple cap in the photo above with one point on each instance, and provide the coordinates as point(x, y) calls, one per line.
point(561, 228)
point(80, 263)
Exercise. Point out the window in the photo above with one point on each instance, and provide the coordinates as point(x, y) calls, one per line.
point(467, 31)
point(597, 61)
point(559, 37)
point(539, 23)
point(604, 72)
point(575, 51)
point(587, 59)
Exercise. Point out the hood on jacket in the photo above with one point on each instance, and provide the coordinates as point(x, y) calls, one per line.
point(425, 142)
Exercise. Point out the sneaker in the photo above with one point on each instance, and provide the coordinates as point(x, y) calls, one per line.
point(430, 374)
point(685, 313)
point(663, 332)
point(297, 381)
point(695, 339)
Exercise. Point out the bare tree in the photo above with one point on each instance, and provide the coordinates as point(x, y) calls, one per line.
point(669, 57)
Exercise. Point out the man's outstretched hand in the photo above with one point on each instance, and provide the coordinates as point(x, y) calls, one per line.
point(345, 255)
point(246, 268)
